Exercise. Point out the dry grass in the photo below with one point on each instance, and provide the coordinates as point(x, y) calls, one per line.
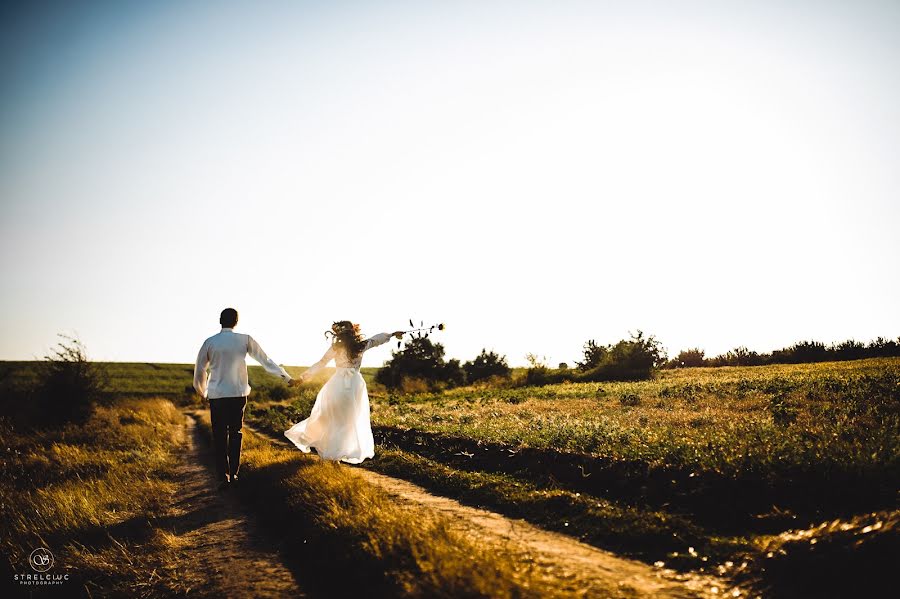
point(352, 534)
point(88, 493)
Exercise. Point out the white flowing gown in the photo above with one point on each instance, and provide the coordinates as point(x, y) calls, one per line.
point(338, 425)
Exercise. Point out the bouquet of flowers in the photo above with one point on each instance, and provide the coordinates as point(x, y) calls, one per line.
point(420, 332)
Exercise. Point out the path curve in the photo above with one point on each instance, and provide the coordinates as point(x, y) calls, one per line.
point(583, 568)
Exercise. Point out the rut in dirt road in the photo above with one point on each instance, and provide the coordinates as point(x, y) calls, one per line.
point(230, 557)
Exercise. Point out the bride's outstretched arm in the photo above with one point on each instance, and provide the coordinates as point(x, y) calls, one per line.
point(329, 355)
point(381, 339)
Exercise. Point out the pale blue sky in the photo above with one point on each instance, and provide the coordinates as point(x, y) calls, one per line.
point(532, 173)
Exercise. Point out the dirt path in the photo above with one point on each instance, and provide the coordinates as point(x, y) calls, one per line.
point(230, 558)
point(578, 565)
point(581, 567)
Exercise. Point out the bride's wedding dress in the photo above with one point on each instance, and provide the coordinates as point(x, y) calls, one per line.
point(338, 425)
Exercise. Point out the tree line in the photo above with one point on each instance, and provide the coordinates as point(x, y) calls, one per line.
point(802, 352)
point(422, 366)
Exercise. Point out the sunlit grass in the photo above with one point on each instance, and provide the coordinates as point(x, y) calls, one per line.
point(695, 468)
point(87, 492)
point(730, 420)
point(342, 524)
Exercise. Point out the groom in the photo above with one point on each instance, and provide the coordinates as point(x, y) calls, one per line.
point(228, 389)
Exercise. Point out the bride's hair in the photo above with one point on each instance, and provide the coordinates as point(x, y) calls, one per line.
point(345, 335)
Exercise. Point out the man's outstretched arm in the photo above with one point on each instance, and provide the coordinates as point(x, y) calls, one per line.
point(260, 356)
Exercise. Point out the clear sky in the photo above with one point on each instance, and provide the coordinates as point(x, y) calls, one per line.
point(534, 174)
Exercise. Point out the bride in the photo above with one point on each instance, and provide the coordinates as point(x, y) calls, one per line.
point(338, 425)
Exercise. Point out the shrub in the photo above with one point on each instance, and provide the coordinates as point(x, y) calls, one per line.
point(783, 413)
point(851, 350)
point(537, 377)
point(739, 356)
point(420, 359)
point(801, 352)
point(539, 373)
point(279, 393)
point(690, 358)
point(486, 365)
point(882, 347)
point(629, 359)
point(68, 384)
point(630, 399)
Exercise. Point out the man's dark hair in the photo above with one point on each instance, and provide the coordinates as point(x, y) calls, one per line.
point(228, 318)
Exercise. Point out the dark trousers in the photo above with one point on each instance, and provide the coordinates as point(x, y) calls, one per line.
point(227, 418)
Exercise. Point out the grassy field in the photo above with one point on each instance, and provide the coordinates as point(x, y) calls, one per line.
point(91, 492)
point(699, 469)
point(785, 476)
point(356, 538)
point(97, 493)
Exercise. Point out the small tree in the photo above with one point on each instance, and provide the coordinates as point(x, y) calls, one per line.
point(69, 383)
point(421, 359)
point(487, 364)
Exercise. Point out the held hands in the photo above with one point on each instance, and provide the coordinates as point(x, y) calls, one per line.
point(398, 334)
point(295, 382)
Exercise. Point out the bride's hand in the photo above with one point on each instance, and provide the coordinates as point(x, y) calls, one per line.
point(398, 334)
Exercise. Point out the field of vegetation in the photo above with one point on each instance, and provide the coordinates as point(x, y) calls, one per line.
point(97, 491)
point(746, 471)
point(92, 491)
point(783, 477)
point(356, 538)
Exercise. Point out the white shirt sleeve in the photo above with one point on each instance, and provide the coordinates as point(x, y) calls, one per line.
point(200, 374)
point(376, 340)
point(260, 356)
point(329, 355)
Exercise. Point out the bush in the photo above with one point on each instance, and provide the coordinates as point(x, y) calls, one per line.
point(739, 356)
point(690, 358)
point(802, 352)
point(783, 413)
point(883, 348)
point(420, 359)
point(629, 359)
point(630, 399)
point(486, 365)
point(539, 373)
point(279, 393)
point(69, 385)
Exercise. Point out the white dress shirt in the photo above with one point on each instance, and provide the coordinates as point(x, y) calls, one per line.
point(225, 355)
